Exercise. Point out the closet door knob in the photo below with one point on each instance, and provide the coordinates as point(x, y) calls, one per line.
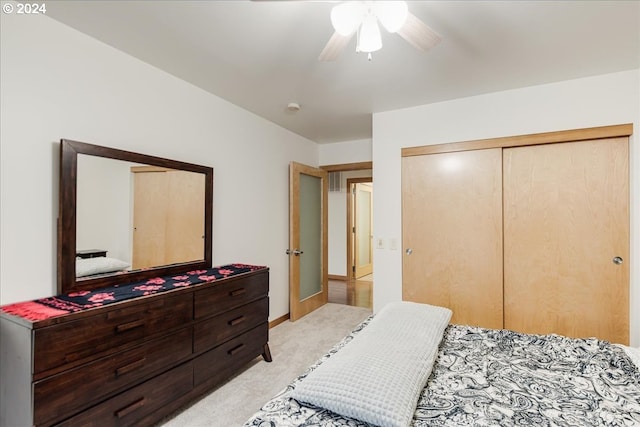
point(409, 251)
point(618, 260)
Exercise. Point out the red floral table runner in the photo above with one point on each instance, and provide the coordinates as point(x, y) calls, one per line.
point(72, 302)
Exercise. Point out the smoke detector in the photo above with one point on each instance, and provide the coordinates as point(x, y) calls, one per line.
point(293, 107)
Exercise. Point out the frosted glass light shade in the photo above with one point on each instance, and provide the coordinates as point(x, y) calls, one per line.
point(369, 39)
point(392, 14)
point(346, 17)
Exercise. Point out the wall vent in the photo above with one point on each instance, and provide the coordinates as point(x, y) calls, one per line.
point(335, 182)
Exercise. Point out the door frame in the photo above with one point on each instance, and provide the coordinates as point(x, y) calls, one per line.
point(348, 167)
point(297, 308)
point(351, 274)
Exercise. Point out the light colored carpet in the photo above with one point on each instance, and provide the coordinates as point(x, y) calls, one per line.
point(294, 347)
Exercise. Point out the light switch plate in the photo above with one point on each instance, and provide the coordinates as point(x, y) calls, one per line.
point(393, 245)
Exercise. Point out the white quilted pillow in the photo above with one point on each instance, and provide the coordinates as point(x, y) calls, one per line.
point(99, 265)
point(378, 377)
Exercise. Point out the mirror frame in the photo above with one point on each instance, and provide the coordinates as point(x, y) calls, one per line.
point(67, 281)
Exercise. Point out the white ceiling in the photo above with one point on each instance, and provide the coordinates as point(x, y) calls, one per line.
point(261, 55)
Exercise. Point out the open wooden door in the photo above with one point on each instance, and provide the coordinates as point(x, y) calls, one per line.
point(308, 220)
point(363, 234)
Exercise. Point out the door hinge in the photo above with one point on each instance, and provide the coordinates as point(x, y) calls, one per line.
point(353, 229)
point(353, 268)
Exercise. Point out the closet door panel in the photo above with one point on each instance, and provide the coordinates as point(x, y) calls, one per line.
point(168, 216)
point(452, 223)
point(149, 219)
point(185, 217)
point(566, 216)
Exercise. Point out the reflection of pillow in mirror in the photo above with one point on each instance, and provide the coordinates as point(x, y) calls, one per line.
point(98, 265)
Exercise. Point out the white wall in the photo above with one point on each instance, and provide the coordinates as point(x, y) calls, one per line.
point(104, 206)
point(588, 102)
point(59, 83)
point(355, 151)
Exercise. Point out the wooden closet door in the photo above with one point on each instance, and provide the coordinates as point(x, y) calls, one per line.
point(185, 217)
point(452, 225)
point(168, 217)
point(150, 191)
point(566, 216)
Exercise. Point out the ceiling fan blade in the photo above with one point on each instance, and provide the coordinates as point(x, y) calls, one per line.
point(334, 47)
point(418, 34)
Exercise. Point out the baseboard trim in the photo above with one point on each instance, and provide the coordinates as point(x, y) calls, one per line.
point(279, 320)
point(336, 277)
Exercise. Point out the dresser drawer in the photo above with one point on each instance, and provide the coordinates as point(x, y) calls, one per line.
point(78, 388)
point(132, 406)
point(224, 360)
point(234, 293)
point(214, 331)
point(76, 340)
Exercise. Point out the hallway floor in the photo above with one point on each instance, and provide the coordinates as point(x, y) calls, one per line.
point(358, 293)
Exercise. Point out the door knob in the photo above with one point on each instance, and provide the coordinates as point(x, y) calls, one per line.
point(409, 251)
point(618, 260)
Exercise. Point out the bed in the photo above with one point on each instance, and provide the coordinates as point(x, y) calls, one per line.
point(485, 377)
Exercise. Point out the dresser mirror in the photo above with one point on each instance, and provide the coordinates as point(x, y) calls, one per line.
point(127, 216)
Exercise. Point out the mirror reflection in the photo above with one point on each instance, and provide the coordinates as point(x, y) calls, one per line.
point(132, 216)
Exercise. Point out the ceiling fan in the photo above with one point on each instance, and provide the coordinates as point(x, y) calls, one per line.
point(361, 18)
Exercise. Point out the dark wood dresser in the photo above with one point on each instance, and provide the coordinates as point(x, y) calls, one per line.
point(132, 362)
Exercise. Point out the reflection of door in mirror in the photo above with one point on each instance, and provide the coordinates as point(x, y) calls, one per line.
point(168, 216)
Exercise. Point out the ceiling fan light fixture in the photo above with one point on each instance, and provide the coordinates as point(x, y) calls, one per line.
point(369, 39)
point(346, 17)
point(392, 14)
point(361, 18)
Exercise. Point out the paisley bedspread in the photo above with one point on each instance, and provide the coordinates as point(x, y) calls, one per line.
point(484, 377)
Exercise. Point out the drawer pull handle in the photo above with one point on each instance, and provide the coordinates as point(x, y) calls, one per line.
point(71, 357)
point(237, 320)
point(131, 325)
point(238, 292)
point(130, 408)
point(130, 367)
point(236, 349)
